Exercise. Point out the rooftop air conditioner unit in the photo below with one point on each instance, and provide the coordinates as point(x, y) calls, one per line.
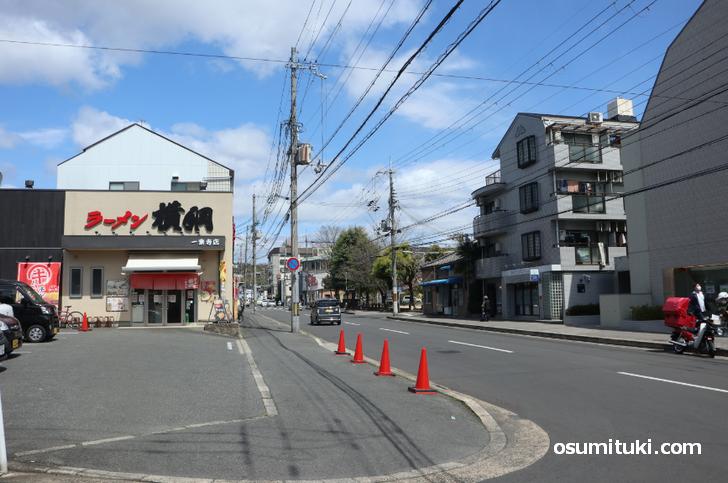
point(595, 118)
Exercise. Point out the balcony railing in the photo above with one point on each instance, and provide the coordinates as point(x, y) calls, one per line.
point(493, 178)
point(496, 222)
point(491, 267)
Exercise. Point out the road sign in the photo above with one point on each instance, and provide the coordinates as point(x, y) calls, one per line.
point(293, 264)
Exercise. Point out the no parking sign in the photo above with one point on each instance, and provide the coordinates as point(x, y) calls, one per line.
point(293, 264)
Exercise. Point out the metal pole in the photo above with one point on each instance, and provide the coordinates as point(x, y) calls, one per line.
point(255, 268)
point(245, 264)
point(293, 125)
point(392, 231)
point(3, 450)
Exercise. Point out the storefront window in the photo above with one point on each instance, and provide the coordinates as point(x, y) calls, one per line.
point(526, 299)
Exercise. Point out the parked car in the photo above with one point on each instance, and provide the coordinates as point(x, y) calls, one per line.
point(13, 332)
point(326, 310)
point(3, 355)
point(38, 319)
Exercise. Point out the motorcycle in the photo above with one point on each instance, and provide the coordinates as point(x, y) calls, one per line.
point(689, 332)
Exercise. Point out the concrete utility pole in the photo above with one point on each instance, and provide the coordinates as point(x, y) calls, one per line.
point(245, 261)
point(293, 126)
point(255, 268)
point(392, 232)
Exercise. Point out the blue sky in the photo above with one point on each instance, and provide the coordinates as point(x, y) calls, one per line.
point(56, 100)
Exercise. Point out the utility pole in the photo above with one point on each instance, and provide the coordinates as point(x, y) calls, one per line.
point(392, 232)
point(245, 262)
point(293, 127)
point(255, 268)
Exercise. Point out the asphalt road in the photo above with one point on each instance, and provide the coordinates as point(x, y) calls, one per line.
point(180, 403)
point(575, 391)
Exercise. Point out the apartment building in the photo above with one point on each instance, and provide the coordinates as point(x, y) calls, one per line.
point(279, 276)
point(675, 163)
point(550, 225)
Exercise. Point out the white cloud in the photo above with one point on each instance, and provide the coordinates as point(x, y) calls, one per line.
point(255, 28)
point(7, 139)
point(92, 125)
point(47, 138)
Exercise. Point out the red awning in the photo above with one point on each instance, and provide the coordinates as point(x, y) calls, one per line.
point(165, 281)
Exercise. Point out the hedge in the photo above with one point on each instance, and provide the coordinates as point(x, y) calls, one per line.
point(647, 312)
point(589, 309)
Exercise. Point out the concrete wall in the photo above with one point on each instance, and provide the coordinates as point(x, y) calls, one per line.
point(599, 283)
point(614, 309)
point(680, 225)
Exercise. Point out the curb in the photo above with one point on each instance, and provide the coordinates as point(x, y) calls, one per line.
point(551, 335)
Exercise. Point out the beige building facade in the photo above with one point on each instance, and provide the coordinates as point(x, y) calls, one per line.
point(148, 258)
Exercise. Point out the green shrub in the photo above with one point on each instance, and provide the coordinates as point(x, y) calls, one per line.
point(647, 312)
point(589, 309)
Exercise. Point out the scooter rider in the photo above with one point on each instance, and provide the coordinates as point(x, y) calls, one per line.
point(697, 303)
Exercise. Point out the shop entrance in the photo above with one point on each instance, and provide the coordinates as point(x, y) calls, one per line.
point(163, 307)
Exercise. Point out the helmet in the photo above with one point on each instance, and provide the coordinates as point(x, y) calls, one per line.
point(722, 300)
point(722, 295)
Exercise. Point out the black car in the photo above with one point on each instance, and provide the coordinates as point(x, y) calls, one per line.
point(13, 332)
point(38, 319)
point(326, 310)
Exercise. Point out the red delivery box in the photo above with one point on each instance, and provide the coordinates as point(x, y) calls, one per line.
point(676, 314)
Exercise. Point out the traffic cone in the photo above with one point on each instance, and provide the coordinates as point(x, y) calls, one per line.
point(422, 386)
point(358, 353)
point(341, 350)
point(384, 369)
point(84, 323)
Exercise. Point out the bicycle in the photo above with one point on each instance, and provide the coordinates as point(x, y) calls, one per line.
point(70, 319)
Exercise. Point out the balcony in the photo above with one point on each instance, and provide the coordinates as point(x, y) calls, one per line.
point(493, 223)
point(491, 267)
point(587, 257)
point(493, 184)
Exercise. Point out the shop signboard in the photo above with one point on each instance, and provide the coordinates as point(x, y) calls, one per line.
point(117, 288)
point(117, 304)
point(43, 277)
point(168, 215)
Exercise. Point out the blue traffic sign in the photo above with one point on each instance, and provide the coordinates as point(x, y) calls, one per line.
point(293, 264)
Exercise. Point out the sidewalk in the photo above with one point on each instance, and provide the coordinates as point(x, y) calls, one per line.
point(649, 340)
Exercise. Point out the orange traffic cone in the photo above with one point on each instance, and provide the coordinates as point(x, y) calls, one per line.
point(341, 350)
point(384, 369)
point(422, 386)
point(84, 323)
point(358, 353)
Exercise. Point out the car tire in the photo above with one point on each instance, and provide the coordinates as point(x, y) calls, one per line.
point(36, 333)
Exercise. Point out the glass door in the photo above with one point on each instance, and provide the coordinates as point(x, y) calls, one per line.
point(137, 306)
point(155, 307)
point(174, 307)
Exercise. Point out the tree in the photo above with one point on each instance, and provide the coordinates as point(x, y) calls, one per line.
point(326, 237)
point(407, 269)
point(469, 250)
point(352, 257)
point(435, 252)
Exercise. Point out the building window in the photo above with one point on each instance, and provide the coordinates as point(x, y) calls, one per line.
point(529, 197)
point(526, 149)
point(526, 299)
point(124, 185)
point(428, 296)
point(531, 245)
point(588, 204)
point(581, 148)
point(76, 282)
point(97, 282)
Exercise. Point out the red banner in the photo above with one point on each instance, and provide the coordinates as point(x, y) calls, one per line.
point(43, 277)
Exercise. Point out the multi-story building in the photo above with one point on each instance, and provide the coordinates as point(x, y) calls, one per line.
point(279, 276)
point(674, 164)
point(550, 226)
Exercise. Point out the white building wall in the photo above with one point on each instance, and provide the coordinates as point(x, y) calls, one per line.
point(134, 154)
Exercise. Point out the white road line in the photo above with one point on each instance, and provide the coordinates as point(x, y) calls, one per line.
point(707, 388)
point(481, 346)
point(270, 405)
point(396, 331)
point(107, 440)
point(351, 323)
point(230, 346)
point(45, 450)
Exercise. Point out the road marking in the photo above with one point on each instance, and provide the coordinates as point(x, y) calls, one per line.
point(38, 451)
point(230, 346)
point(396, 331)
point(270, 405)
point(481, 346)
point(21, 352)
point(707, 388)
point(107, 440)
point(351, 323)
